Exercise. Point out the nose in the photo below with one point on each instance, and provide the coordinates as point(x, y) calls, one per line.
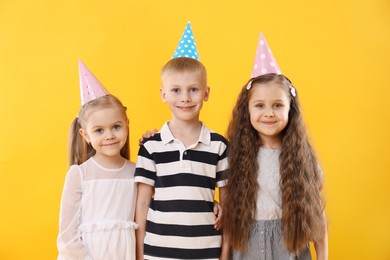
point(110, 135)
point(270, 112)
point(185, 97)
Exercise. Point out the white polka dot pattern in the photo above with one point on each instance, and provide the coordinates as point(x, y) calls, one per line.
point(90, 87)
point(264, 62)
point(187, 45)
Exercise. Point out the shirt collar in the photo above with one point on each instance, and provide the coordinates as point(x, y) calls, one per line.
point(167, 136)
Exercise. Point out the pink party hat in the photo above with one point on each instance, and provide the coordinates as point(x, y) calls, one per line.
point(265, 62)
point(90, 87)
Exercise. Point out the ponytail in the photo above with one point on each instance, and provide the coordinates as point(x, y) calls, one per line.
point(79, 150)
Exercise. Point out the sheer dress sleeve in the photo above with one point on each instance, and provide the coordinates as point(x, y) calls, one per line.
point(69, 243)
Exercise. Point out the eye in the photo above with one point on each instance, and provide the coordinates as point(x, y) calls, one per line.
point(259, 105)
point(98, 130)
point(175, 90)
point(194, 90)
point(116, 127)
point(278, 105)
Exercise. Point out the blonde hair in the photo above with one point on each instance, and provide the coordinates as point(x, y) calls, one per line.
point(183, 64)
point(79, 150)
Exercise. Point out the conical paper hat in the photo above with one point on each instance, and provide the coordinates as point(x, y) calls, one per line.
point(265, 62)
point(187, 45)
point(90, 87)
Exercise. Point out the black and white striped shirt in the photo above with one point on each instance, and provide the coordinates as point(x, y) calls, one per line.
point(180, 221)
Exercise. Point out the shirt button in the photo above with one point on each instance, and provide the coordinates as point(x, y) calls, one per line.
point(262, 232)
point(185, 152)
point(262, 251)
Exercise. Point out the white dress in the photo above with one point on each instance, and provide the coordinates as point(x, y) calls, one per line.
point(97, 213)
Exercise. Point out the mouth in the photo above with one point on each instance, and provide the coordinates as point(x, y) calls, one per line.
point(268, 122)
point(111, 144)
point(185, 108)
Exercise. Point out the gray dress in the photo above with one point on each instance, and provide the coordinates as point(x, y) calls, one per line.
point(266, 235)
point(266, 243)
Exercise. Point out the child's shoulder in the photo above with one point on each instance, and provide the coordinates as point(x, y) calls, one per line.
point(77, 169)
point(74, 174)
point(130, 164)
point(217, 137)
point(73, 169)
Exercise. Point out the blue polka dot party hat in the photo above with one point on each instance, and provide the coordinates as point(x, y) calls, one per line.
point(187, 45)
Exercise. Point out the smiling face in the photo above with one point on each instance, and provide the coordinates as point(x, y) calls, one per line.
point(184, 92)
point(269, 106)
point(106, 130)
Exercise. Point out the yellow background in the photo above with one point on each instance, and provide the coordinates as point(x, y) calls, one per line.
point(337, 53)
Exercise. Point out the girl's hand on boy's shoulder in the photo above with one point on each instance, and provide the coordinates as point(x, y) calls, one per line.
point(146, 135)
point(218, 214)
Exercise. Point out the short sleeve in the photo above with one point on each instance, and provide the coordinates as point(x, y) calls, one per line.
point(69, 243)
point(222, 165)
point(145, 170)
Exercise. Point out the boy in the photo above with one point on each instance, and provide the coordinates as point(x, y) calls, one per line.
point(177, 171)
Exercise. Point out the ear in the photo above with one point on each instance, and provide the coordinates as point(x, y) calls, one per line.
point(206, 93)
point(84, 134)
point(162, 94)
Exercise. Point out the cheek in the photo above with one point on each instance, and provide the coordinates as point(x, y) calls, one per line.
point(124, 132)
point(285, 115)
point(171, 99)
point(253, 116)
point(199, 96)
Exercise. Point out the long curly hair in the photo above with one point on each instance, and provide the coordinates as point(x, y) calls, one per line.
point(300, 176)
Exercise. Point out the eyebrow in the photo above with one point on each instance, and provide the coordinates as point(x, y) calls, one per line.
point(192, 85)
point(262, 100)
point(115, 123)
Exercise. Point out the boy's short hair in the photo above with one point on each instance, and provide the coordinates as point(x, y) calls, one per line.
point(183, 64)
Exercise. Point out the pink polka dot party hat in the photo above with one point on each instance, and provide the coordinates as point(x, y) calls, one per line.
point(265, 62)
point(90, 87)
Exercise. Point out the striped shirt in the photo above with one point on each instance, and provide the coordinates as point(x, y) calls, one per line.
point(180, 220)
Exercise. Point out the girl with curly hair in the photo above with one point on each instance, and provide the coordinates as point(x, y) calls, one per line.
point(273, 203)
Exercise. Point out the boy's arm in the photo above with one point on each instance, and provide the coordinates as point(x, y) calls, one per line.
point(144, 196)
point(321, 245)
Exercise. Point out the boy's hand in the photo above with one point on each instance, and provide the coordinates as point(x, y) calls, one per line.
point(218, 213)
point(147, 134)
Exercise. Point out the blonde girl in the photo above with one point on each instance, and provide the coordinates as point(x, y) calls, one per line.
point(98, 199)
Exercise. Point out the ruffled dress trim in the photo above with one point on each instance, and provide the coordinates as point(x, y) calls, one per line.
point(105, 226)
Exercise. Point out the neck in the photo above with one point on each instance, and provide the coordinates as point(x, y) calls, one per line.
point(274, 142)
point(110, 162)
point(182, 126)
point(187, 132)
